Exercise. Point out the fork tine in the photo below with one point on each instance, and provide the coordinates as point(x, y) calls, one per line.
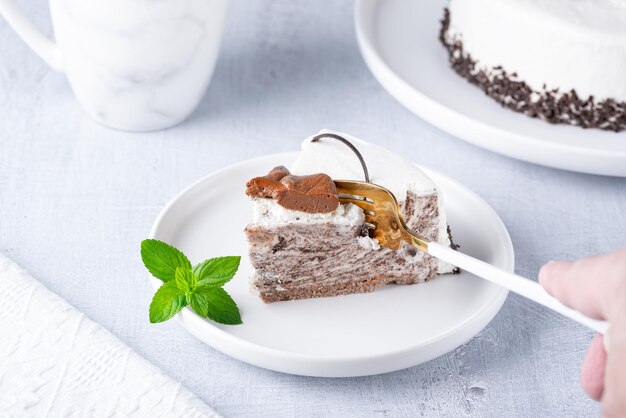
point(366, 206)
point(353, 196)
point(365, 190)
point(383, 215)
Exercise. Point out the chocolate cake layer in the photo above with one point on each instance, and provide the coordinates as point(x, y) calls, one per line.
point(550, 105)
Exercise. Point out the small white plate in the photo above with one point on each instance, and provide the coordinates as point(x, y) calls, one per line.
point(390, 329)
point(399, 42)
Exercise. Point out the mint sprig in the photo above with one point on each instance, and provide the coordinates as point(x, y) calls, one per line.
point(200, 287)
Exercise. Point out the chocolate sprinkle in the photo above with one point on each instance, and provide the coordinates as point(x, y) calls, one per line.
point(549, 105)
point(280, 245)
point(455, 247)
point(364, 231)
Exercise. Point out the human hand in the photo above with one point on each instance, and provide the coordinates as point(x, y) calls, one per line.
point(596, 286)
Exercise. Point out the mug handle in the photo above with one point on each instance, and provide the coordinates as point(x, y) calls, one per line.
point(44, 47)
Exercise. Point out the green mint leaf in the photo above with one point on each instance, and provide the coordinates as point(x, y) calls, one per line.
point(185, 280)
point(216, 271)
point(162, 259)
point(167, 302)
point(198, 302)
point(214, 303)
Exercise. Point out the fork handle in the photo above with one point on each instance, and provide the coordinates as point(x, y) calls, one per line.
point(517, 284)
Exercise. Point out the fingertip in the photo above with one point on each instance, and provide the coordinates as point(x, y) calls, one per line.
point(545, 272)
point(552, 273)
point(593, 368)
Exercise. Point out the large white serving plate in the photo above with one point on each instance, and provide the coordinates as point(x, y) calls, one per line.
point(398, 40)
point(390, 329)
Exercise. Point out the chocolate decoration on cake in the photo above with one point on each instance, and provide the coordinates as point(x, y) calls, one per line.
point(311, 194)
point(349, 144)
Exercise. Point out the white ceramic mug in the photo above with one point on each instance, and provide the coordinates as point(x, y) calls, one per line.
point(136, 65)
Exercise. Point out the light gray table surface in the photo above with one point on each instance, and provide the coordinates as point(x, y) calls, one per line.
point(76, 199)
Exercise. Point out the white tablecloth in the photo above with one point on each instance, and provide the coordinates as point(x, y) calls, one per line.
point(76, 200)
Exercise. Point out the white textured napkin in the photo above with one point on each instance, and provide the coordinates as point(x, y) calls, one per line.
point(55, 362)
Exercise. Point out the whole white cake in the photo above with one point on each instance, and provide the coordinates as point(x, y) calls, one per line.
point(563, 61)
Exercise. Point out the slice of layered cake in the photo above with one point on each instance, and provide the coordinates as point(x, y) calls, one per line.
point(304, 243)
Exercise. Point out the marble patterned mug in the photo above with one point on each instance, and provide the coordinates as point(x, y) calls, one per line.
point(136, 65)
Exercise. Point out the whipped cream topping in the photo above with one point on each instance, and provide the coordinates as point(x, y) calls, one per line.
point(339, 162)
point(584, 17)
point(268, 212)
point(564, 44)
